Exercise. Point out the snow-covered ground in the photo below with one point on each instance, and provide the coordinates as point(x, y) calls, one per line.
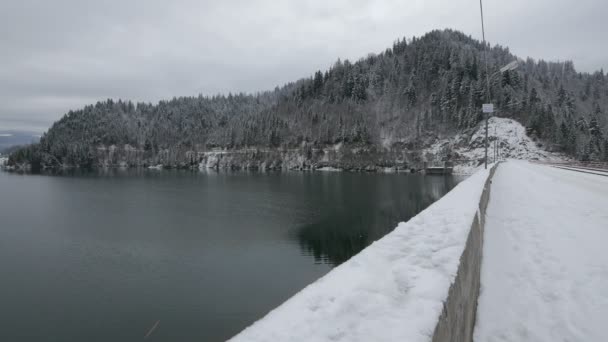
point(328, 169)
point(544, 273)
point(392, 291)
point(513, 143)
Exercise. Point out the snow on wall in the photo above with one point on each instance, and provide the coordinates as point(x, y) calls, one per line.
point(393, 290)
point(457, 321)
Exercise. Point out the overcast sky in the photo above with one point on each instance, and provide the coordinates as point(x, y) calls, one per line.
point(62, 54)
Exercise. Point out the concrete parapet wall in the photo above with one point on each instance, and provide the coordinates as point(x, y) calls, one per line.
point(457, 320)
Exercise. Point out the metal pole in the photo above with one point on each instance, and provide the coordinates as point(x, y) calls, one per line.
point(495, 146)
point(485, 56)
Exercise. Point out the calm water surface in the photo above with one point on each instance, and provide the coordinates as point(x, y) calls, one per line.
point(104, 256)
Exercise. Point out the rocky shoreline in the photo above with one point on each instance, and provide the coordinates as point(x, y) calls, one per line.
point(351, 158)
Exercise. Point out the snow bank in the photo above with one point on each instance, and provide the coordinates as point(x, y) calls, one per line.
point(544, 274)
point(392, 291)
point(328, 169)
point(513, 143)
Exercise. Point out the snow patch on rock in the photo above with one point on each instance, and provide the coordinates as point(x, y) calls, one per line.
point(329, 169)
point(468, 152)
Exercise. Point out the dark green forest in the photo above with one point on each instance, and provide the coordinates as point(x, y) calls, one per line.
point(418, 89)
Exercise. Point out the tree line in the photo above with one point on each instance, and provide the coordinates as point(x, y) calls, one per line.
point(418, 89)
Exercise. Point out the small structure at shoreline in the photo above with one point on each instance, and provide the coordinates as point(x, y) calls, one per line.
point(446, 169)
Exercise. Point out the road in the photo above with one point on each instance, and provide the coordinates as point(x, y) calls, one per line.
point(544, 271)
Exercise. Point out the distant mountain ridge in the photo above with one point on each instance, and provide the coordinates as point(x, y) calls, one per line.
point(381, 110)
point(11, 139)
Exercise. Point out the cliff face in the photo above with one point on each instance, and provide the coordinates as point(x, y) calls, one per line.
point(340, 157)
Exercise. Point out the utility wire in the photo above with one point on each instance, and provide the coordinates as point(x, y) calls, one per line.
point(485, 56)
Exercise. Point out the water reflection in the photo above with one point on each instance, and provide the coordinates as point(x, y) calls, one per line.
point(367, 208)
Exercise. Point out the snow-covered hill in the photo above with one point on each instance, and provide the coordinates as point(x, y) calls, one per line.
point(467, 151)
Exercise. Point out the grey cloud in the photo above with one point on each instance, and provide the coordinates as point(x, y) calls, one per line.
point(62, 54)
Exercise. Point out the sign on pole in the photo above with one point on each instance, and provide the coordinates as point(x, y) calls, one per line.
point(488, 108)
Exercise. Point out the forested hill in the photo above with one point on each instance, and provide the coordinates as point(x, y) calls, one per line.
point(392, 102)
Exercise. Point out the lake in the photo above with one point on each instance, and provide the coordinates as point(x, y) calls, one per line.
point(178, 255)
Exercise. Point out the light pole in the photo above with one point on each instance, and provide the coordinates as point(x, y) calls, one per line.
point(488, 108)
point(495, 145)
